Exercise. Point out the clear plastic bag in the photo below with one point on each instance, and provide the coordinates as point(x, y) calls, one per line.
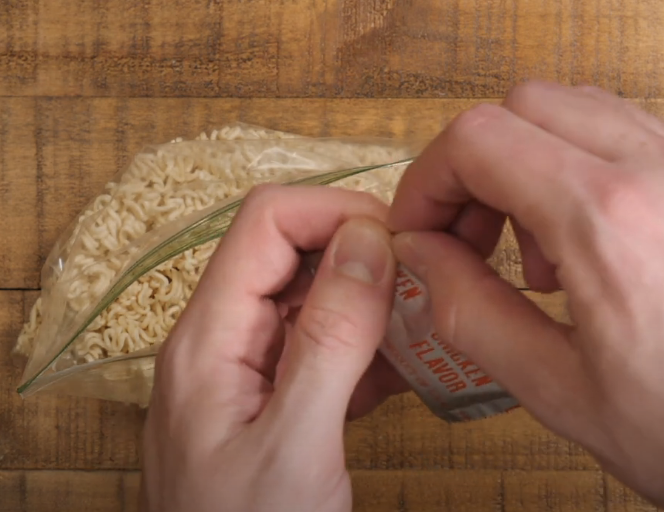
point(119, 276)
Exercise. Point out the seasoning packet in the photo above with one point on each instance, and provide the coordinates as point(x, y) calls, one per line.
point(451, 385)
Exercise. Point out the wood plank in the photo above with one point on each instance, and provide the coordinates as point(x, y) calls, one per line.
point(56, 154)
point(559, 491)
point(48, 431)
point(333, 48)
point(68, 148)
point(20, 194)
point(83, 85)
point(420, 491)
point(74, 491)
point(62, 432)
point(54, 163)
point(621, 499)
point(404, 434)
point(374, 491)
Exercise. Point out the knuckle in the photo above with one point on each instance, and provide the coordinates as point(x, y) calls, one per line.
point(617, 196)
point(468, 122)
point(375, 207)
point(591, 90)
point(525, 94)
point(261, 195)
point(365, 199)
point(329, 329)
point(260, 202)
point(373, 202)
point(166, 369)
point(170, 359)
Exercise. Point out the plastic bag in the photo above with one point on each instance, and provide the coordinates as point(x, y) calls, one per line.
point(120, 275)
point(118, 278)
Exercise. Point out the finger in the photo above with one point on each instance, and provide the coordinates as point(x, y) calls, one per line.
point(641, 116)
point(479, 226)
point(496, 326)
point(338, 330)
point(256, 259)
point(378, 383)
point(381, 380)
point(296, 291)
point(500, 160)
point(537, 271)
point(220, 357)
point(604, 128)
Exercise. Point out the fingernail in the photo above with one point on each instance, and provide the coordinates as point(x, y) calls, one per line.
point(362, 251)
point(405, 250)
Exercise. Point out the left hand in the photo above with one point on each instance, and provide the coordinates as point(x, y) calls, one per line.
point(255, 381)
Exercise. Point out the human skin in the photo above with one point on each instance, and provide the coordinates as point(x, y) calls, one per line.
point(265, 365)
point(256, 380)
point(581, 175)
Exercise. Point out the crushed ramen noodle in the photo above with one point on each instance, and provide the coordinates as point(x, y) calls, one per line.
point(150, 194)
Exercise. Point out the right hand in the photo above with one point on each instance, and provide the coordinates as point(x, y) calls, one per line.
point(581, 174)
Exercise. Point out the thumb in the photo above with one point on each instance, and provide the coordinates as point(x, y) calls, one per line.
point(494, 324)
point(339, 328)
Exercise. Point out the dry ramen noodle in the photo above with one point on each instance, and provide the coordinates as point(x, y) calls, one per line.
point(150, 194)
point(160, 192)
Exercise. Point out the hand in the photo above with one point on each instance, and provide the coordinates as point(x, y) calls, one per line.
point(234, 423)
point(581, 175)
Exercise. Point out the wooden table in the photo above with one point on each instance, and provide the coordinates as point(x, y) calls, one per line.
point(83, 85)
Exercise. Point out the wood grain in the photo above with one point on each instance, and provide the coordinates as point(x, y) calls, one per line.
point(54, 432)
point(84, 85)
point(621, 499)
point(413, 491)
point(326, 48)
point(20, 194)
point(402, 434)
point(375, 491)
point(57, 153)
point(74, 491)
point(554, 491)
